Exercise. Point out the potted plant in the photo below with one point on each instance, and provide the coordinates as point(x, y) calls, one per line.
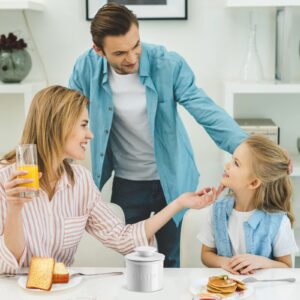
point(15, 61)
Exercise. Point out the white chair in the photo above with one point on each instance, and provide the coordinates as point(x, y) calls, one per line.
point(190, 246)
point(92, 253)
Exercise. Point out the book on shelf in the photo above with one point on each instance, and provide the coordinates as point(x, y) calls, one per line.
point(261, 126)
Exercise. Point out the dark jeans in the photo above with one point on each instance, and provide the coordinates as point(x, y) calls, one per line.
point(138, 199)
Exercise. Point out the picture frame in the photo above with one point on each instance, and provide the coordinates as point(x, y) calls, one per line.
point(145, 9)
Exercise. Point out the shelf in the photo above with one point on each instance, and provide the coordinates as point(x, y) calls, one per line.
point(262, 88)
point(262, 3)
point(233, 88)
point(27, 89)
point(21, 88)
point(21, 5)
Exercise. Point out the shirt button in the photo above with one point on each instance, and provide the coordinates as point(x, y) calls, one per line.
point(101, 154)
point(98, 176)
point(106, 131)
point(110, 108)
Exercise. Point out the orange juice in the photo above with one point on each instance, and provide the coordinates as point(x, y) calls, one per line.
point(33, 173)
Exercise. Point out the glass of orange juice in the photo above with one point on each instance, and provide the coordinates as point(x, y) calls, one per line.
point(26, 159)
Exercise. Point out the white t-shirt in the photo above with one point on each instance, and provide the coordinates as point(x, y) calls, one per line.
point(284, 243)
point(131, 141)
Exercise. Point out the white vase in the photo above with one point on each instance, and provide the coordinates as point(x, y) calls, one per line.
point(252, 68)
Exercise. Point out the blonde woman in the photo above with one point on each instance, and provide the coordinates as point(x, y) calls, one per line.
point(69, 202)
point(250, 229)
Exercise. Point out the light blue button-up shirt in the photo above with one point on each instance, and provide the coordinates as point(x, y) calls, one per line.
point(169, 81)
point(260, 230)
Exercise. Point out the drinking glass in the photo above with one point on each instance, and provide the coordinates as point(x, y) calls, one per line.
point(26, 159)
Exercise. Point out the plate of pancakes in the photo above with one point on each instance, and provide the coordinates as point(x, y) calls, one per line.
point(220, 287)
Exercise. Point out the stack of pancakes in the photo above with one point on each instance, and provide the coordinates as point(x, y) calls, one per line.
point(224, 286)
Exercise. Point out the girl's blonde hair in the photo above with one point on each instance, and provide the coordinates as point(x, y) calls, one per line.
point(270, 165)
point(52, 115)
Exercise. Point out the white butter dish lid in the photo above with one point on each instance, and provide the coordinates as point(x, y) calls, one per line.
point(145, 253)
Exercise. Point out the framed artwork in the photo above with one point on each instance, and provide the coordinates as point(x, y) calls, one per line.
point(145, 9)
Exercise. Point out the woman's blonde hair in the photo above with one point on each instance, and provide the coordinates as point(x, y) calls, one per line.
point(270, 165)
point(51, 117)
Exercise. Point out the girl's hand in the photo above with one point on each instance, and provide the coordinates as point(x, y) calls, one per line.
point(248, 263)
point(13, 190)
point(197, 200)
point(225, 265)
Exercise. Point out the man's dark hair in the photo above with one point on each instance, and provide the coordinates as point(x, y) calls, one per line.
point(111, 19)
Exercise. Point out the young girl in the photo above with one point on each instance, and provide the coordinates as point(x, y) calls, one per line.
point(69, 202)
point(250, 229)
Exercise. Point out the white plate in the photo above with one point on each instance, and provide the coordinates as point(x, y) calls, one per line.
point(55, 287)
point(199, 286)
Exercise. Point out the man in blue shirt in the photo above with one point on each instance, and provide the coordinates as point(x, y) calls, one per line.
point(134, 90)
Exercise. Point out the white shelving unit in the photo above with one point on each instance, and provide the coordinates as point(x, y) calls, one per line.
point(21, 5)
point(232, 89)
point(27, 89)
point(262, 3)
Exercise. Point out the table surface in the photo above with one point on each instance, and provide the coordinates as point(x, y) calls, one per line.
point(176, 286)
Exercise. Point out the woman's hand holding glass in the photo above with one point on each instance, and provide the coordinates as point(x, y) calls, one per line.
point(26, 160)
point(16, 194)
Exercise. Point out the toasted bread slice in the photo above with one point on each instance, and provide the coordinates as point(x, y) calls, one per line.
point(60, 273)
point(40, 273)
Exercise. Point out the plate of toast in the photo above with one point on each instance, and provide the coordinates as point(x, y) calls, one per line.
point(47, 275)
point(220, 287)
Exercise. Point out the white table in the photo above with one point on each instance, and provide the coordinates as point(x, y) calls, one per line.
point(176, 286)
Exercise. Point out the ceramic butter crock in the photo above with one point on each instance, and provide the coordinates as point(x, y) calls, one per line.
point(144, 270)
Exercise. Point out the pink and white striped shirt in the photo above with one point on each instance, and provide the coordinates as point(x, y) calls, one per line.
point(54, 228)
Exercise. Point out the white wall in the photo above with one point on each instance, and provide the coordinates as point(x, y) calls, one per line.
point(213, 40)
